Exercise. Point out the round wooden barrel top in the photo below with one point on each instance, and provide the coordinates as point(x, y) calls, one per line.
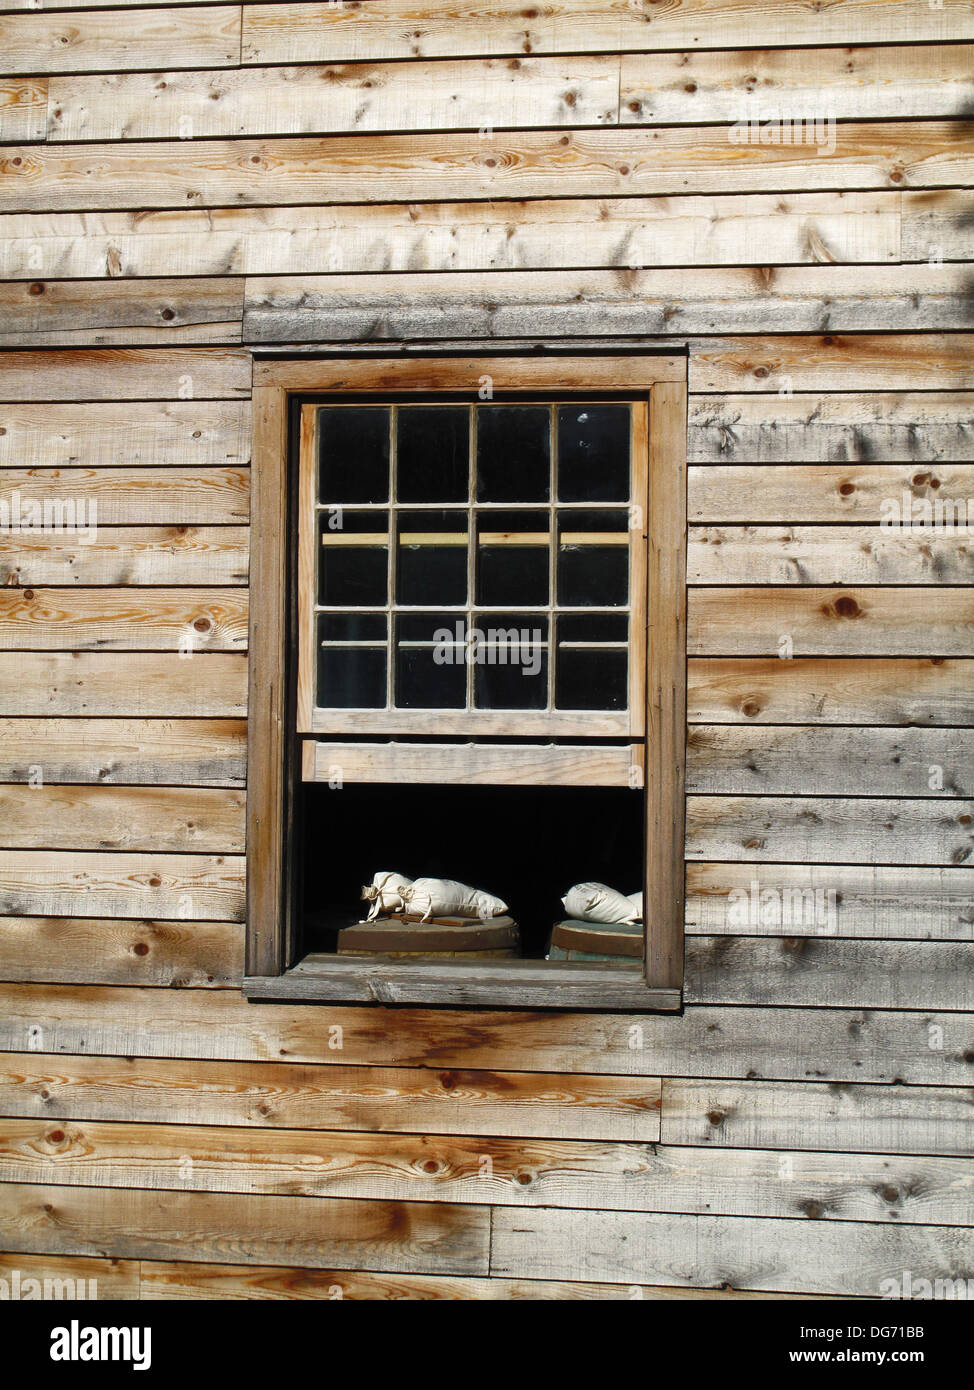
point(598, 938)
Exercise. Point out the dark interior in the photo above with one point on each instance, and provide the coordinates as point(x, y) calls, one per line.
point(527, 845)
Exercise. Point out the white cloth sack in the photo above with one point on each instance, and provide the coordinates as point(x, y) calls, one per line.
point(385, 892)
point(445, 897)
point(596, 902)
point(637, 901)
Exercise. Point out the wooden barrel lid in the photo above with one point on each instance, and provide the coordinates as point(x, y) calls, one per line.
point(438, 934)
point(599, 938)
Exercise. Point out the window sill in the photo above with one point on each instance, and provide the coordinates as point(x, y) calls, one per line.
point(452, 984)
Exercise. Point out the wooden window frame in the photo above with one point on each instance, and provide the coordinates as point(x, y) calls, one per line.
point(272, 969)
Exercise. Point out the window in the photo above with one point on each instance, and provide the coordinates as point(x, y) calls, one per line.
point(468, 619)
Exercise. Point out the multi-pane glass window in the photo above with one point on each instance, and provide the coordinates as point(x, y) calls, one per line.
point(476, 562)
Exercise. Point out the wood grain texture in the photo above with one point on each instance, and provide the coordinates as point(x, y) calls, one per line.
point(883, 1119)
point(718, 1041)
point(815, 761)
point(207, 820)
point(601, 163)
point(302, 32)
point(23, 108)
point(797, 1255)
point(866, 901)
point(281, 1095)
point(180, 752)
point(863, 830)
point(474, 764)
point(69, 499)
point(830, 362)
point(125, 555)
point(123, 619)
point(98, 313)
point(197, 36)
point(184, 434)
point(841, 427)
point(628, 301)
point(551, 92)
point(123, 684)
point(416, 1236)
point(114, 951)
point(810, 621)
point(830, 554)
point(721, 229)
point(124, 374)
point(808, 971)
point(183, 1280)
point(883, 493)
point(868, 690)
point(104, 1278)
point(182, 886)
point(506, 1172)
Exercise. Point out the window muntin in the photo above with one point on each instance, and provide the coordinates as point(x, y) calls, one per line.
point(477, 564)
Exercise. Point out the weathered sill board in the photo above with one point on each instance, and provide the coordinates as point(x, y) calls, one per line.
point(472, 764)
point(814, 761)
point(812, 621)
point(414, 1236)
point(99, 313)
point(303, 32)
point(93, 884)
point(127, 555)
point(114, 951)
point(785, 1044)
point(115, 374)
point(832, 362)
point(843, 427)
point(503, 1172)
point(845, 298)
point(274, 1095)
point(553, 92)
point(159, 684)
point(206, 820)
point(720, 229)
point(197, 36)
point(798, 1255)
point(600, 163)
point(785, 554)
point(183, 434)
point(853, 830)
point(809, 971)
point(846, 690)
point(865, 493)
point(869, 901)
point(146, 619)
point(860, 1119)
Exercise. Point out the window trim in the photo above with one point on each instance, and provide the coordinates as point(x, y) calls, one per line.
point(656, 983)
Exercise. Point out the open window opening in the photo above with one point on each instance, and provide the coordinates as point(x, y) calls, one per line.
point(474, 686)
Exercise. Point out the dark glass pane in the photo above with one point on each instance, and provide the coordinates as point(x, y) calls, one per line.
point(593, 559)
point(593, 453)
point(353, 454)
point(593, 627)
point(509, 574)
point(435, 628)
point(353, 558)
point(510, 660)
point(513, 453)
point(433, 454)
point(428, 572)
point(591, 678)
point(352, 627)
point(427, 680)
point(351, 677)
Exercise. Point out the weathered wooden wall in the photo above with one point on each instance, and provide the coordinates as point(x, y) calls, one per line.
point(182, 185)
